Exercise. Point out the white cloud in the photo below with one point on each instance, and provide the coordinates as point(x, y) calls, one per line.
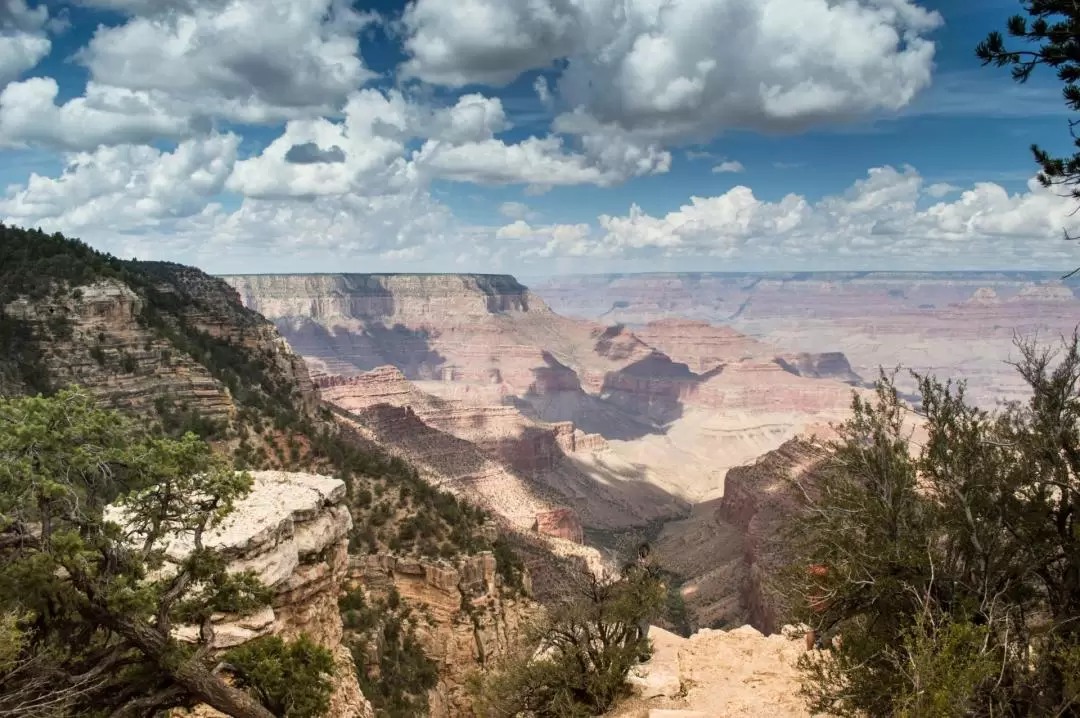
point(687, 68)
point(461, 146)
point(516, 210)
point(23, 43)
point(729, 166)
point(457, 42)
point(103, 115)
point(553, 240)
point(125, 188)
point(371, 139)
point(543, 91)
point(540, 162)
point(473, 118)
point(878, 218)
point(246, 60)
point(940, 189)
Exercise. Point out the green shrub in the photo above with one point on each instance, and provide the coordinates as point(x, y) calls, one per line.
point(393, 671)
point(952, 565)
point(291, 679)
point(589, 643)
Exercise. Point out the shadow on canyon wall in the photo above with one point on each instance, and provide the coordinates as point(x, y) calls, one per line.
point(377, 345)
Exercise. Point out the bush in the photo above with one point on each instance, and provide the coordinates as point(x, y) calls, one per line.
point(967, 550)
point(291, 679)
point(587, 646)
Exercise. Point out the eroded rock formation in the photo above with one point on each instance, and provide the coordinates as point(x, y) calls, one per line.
point(291, 530)
point(470, 619)
point(109, 346)
point(728, 547)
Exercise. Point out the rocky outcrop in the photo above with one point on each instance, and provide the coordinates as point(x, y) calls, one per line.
point(729, 547)
point(292, 532)
point(135, 346)
point(700, 345)
point(736, 674)
point(110, 351)
point(471, 621)
point(560, 523)
point(820, 365)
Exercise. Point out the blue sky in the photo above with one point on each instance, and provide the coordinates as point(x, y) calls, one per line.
point(864, 138)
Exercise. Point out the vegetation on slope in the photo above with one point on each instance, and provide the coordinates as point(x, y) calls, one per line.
point(949, 570)
point(394, 509)
point(392, 669)
point(580, 654)
point(87, 626)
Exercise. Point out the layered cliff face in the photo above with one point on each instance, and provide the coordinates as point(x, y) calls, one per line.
point(159, 337)
point(729, 547)
point(953, 324)
point(662, 413)
point(292, 532)
point(494, 455)
point(470, 619)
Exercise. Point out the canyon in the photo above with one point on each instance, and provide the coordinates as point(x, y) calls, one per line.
point(587, 409)
point(953, 324)
point(577, 432)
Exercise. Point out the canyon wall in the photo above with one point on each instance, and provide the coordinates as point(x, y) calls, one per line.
point(133, 346)
point(292, 532)
point(954, 324)
point(729, 547)
point(470, 619)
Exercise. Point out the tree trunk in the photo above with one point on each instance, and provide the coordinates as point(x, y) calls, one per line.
point(192, 675)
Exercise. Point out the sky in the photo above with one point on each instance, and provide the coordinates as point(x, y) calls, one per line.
point(529, 136)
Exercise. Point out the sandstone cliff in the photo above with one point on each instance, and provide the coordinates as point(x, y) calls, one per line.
point(151, 337)
point(729, 547)
point(471, 618)
point(292, 531)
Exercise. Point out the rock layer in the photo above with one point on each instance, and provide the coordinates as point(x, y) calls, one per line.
point(291, 530)
point(472, 621)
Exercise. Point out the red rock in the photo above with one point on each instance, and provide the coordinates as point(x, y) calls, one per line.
point(560, 523)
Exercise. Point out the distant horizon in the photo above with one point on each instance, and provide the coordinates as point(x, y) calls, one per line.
point(1042, 273)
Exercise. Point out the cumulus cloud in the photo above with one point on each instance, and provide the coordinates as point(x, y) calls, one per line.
point(940, 189)
point(249, 61)
point(729, 166)
point(879, 216)
point(539, 162)
point(547, 241)
point(689, 68)
point(23, 42)
point(460, 145)
point(457, 42)
point(309, 153)
point(103, 115)
point(516, 210)
point(125, 188)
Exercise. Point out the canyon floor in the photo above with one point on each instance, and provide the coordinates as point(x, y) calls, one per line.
point(593, 411)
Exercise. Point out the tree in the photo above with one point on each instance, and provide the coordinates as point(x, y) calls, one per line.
point(951, 564)
point(88, 599)
point(579, 657)
point(1051, 35)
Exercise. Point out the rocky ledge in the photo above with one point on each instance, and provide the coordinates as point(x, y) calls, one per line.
point(738, 674)
point(292, 531)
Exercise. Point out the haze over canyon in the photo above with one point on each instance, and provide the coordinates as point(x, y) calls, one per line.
point(594, 407)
